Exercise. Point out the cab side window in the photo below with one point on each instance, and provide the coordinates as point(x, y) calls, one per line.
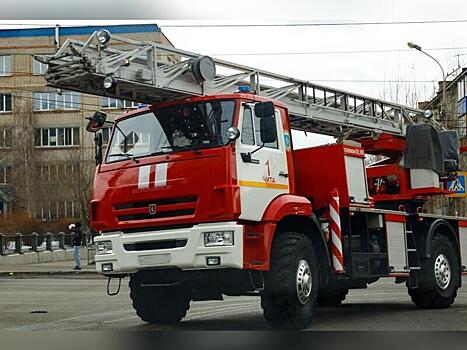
point(248, 136)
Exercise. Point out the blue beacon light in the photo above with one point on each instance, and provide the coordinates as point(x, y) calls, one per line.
point(244, 89)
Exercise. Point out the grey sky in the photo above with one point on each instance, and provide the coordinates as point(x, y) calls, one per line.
point(327, 69)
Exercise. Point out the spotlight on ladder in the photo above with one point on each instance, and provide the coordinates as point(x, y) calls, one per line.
point(203, 68)
point(103, 36)
point(109, 82)
point(428, 114)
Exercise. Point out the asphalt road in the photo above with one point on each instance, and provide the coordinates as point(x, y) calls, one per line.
point(82, 304)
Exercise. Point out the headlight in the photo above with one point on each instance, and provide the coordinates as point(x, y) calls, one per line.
point(104, 247)
point(218, 238)
point(233, 133)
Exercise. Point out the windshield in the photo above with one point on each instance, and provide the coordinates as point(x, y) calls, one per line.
point(181, 127)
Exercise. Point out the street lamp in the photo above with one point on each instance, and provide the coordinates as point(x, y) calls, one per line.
point(419, 48)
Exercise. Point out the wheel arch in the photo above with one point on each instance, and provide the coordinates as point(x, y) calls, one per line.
point(310, 227)
point(441, 226)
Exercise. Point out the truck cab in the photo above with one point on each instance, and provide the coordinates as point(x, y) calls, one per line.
point(182, 178)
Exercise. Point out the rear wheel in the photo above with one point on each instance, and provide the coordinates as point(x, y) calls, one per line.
point(158, 305)
point(291, 288)
point(439, 277)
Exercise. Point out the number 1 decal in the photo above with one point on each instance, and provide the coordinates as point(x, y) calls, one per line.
point(268, 178)
point(268, 168)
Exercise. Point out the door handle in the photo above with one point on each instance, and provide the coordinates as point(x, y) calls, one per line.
point(283, 174)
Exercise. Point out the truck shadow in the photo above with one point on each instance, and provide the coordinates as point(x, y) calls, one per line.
point(355, 316)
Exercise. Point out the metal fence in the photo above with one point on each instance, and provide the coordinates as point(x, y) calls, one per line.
point(23, 243)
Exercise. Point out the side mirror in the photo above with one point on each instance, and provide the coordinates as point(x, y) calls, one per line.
point(264, 109)
point(96, 121)
point(267, 128)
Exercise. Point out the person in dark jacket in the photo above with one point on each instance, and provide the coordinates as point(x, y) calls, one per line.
point(76, 242)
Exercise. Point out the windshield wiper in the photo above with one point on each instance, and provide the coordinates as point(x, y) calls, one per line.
point(182, 148)
point(126, 155)
point(175, 147)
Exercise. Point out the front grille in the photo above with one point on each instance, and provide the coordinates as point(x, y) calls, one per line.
point(162, 214)
point(154, 228)
point(168, 244)
point(157, 202)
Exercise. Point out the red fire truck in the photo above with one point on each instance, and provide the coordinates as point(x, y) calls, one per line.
point(203, 194)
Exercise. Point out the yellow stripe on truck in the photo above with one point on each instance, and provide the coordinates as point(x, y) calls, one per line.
point(263, 185)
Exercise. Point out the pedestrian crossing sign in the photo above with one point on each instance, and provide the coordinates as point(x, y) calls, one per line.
point(458, 185)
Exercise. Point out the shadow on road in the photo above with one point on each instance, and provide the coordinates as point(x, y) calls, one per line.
point(346, 316)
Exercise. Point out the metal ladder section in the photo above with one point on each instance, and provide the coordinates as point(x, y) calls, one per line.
point(412, 251)
point(149, 73)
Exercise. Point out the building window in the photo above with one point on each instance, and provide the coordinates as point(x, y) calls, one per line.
point(5, 103)
point(50, 172)
point(129, 104)
point(53, 210)
point(5, 65)
point(57, 137)
point(46, 101)
point(108, 102)
point(38, 68)
point(5, 138)
point(5, 174)
point(462, 88)
point(462, 126)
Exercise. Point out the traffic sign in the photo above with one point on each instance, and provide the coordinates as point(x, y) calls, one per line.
point(458, 185)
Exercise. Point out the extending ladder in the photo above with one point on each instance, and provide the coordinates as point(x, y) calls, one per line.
point(149, 72)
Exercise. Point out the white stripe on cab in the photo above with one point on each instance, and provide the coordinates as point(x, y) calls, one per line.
point(143, 176)
point(161, 175)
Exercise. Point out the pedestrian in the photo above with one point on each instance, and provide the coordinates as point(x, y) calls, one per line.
point(76, 242)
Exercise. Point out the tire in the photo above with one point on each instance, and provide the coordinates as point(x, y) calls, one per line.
point(332, 297)
point(438, 291)
point(287, 301)
point(158, 305)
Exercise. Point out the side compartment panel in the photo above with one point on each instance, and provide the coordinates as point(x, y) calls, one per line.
point(463, 244)
point(397, 251)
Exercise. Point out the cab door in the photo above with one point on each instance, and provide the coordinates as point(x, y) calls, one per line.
point(262, 172)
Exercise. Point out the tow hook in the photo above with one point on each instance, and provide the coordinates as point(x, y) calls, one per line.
point(109, 293)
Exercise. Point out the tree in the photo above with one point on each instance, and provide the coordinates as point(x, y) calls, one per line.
point(23, 159)
point(79, 180)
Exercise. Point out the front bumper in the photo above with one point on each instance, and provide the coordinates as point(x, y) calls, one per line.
point(192, 256)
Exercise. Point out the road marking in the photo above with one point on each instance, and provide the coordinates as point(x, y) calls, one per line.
point(221, 312)
point(51, 324)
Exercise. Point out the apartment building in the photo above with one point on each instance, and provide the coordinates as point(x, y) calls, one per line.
point(450, 110)
point(46, 155)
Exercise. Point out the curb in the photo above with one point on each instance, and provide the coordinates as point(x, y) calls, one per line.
point(27, 274)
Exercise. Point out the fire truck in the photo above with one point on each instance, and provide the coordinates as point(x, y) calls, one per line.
point(201, 193)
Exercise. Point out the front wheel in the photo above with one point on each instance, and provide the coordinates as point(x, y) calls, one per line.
point(158, 304)
point(439, 278)
point(292, 284)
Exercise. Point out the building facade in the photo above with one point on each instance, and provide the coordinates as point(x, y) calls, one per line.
point(450, 110)
point(46, 155)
